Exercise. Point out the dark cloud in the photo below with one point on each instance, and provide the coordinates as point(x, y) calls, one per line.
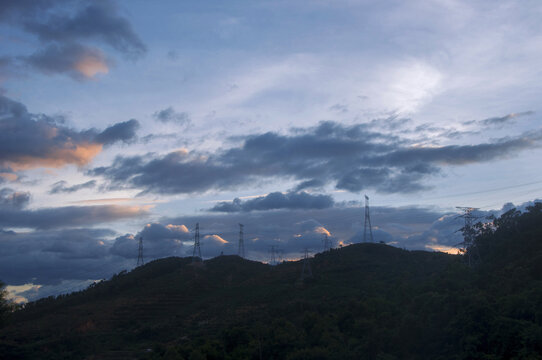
point(498, 120)
point(504, 119)
point(276, 200)
point(309, 184)
point(5, 66)
point(10, 199)
point(159, 241)
point(177, 172)
point(170, 115)
point(70, 34)
point(123, 131)
point(48, 257)
point(78, 61)
point(62, 187)
point(13, 10)
point(98, 20)
point(352, 158)
point(32, 140)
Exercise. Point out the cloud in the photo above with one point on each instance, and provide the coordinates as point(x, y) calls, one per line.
point(70, 34)
point(15, 9)
point(48, 257)
point(61, 187)
point(310, 184)
point(352, 158)
point(292, 230)
point(96, 21)
point(10, 199)
point(36, 140)
point(170, 115)
point(504, 119)
point(78, 61)
point(276, 200)
point(158, 241)
point(123, 131)
point(67, 216)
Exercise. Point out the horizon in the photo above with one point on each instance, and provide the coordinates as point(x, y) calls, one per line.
point(122, 119)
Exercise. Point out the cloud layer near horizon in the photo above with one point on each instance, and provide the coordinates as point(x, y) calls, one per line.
point(14, 215)
point(62, 258)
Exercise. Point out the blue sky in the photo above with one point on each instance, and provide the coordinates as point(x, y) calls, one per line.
point(123, 119)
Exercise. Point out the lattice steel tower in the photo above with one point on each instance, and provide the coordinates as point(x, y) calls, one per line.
point(367, 222)
point(241, 250)
point(140, 253)
point(468, 246)
point(273, 255)
point(196, 256)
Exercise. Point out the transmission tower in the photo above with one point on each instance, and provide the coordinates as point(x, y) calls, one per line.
point(273, 255)
point(327, 243)
point(140, 253)
point(241, 251)
point(307, 271)
point(367, 222)
point(196, 256)
point(468, 246)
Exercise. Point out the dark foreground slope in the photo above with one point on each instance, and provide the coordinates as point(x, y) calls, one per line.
point(365, 301)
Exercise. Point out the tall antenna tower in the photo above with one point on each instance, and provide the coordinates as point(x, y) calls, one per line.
point(241, 251)
point(367, 222)
point(140, 253)
point(196, 256)
point(468, 246)
point(273, 255)
point(327, 243)
point(307, 271)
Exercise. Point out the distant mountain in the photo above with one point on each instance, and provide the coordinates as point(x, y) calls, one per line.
point(364, 301)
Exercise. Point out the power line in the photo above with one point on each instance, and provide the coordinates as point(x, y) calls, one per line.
point(484, 191)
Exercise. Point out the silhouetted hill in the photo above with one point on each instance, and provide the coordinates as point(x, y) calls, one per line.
point(364, 301)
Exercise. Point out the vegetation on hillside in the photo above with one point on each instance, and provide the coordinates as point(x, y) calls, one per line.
point(365, 301)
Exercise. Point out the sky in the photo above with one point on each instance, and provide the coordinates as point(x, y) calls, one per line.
point(125, 119)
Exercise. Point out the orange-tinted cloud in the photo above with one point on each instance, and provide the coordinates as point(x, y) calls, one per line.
point(69, 216)
point(443, 248)
point(79, 155)
point(322, 230)
point(215, 238)
point(8, 176)
point(178, 228)
point(36, 140)
point(90, 64)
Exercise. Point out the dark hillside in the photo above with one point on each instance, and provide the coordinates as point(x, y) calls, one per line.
point(365, 301)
